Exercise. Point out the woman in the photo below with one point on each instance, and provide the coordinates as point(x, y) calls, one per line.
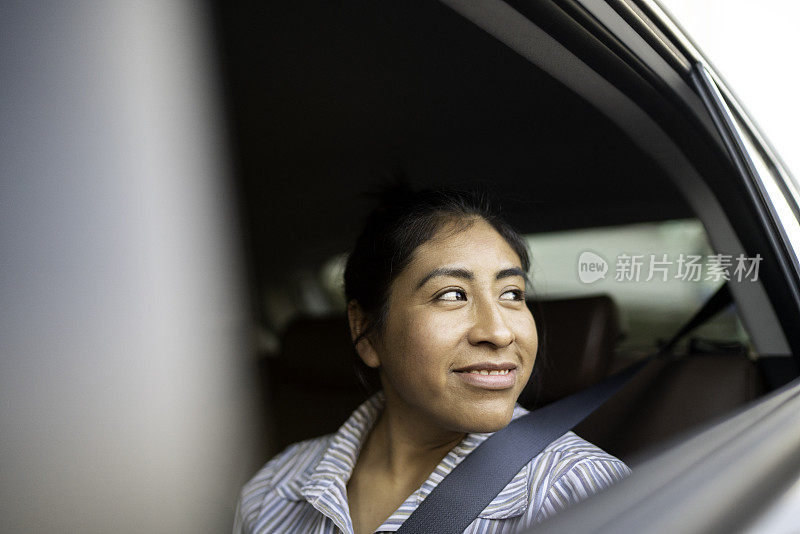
point(436, 289)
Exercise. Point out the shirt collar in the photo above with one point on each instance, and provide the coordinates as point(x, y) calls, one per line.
point(339, 459)
point(325, 487)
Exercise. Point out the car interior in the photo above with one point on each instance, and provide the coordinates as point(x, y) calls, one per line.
point(326, 101)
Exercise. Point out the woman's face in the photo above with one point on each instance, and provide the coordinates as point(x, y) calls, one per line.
point(459, 341)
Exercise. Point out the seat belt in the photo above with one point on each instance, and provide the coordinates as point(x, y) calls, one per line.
point(719, 300)
point(474, 483)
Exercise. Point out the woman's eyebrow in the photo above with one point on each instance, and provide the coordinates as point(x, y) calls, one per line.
point(447, 271)
point(511, 271)
point(466, 274)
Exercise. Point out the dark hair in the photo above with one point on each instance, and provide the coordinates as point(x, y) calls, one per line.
point(403, 220)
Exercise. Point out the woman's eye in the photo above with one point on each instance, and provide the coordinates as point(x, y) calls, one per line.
point(453, 295)
point(513, 294)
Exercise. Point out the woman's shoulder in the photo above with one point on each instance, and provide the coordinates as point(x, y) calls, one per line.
point(570, 444)
point(571, 451)
point(286, 469)
point(571, 468)
point(295, 458)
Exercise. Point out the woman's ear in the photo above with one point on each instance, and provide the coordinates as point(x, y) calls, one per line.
point(358, 324)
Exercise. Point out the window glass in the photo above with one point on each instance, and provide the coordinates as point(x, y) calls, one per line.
point(659, 274)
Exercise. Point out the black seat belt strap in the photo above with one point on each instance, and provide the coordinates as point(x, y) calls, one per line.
point(719, 300)
point(469, 488)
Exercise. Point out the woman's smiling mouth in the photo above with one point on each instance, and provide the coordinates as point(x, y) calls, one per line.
point(489, 375)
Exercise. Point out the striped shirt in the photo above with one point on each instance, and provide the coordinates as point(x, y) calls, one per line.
point(304, 488)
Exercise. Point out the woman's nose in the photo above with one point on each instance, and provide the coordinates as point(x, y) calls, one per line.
point(490, 326)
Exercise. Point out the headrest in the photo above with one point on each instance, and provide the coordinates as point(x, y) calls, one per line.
point(578, 337)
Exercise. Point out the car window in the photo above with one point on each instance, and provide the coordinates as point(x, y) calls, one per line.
point(657, 273)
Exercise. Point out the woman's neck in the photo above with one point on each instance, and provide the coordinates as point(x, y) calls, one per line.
point(405, 445)
point(399, 454)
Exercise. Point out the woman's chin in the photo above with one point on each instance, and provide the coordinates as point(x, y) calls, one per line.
point(485, 418)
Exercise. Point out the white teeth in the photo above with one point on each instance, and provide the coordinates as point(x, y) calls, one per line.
point(486, 372)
